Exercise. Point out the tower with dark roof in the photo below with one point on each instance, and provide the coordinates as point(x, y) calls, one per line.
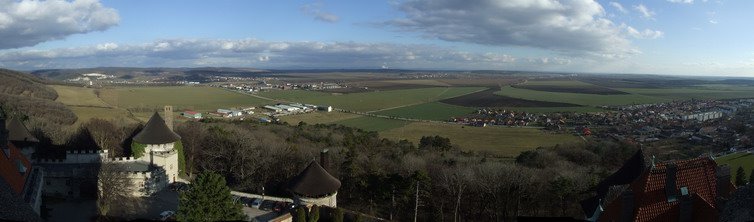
point(159, 143)
point(314, 185)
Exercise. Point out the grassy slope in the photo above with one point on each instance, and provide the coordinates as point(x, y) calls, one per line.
point(429, 111)
point(372, 123)
point(746, 160)
point(578, 98)
point(318, 117)
point(499, 140)
point(181, 97)
point(78, 96)
point(371, 101)
point(86, 105)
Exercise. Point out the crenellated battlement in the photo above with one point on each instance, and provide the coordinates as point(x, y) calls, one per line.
point(123, 159)
point(85, 152)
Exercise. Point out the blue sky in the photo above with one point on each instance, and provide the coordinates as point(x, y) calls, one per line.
point(681, 37)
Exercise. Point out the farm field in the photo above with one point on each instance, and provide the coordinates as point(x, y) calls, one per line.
point(568, 86)
point(696, 92)
point(488, 98)
point(370, 123)
point(428, 111)
point(371, 101)
point(318, 117)
point(503, 141)
point(180, 97)
point(85, 113)
point(78, 96)
point(735, 160)
point(578, 98)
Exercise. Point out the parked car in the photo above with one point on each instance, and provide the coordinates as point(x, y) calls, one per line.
point(256, 203)
point(247, 201)
point(267, 205)
point(166, 215)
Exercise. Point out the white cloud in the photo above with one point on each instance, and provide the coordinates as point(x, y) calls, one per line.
point(644, 11)
point(578, 27)
point(27, 22)
point(619, 7)
point(712, 21)
point(253, 53)
point(316, 12)
point(683, 1)
point(644, 34)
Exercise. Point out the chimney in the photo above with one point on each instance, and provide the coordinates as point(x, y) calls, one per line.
point(627, 206)
point(722, 175)
point(4, 134)
point(324, 159)
point(685, 206)
point(670, 180)
point(169, 117)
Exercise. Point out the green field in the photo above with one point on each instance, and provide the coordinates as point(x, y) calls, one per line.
point(578, 109)
point(565, 83)
point(504, 141)
point(369, 123)
point(318, 117)
point(180, 97)
point(578, 98)
point(371, 101)
point(745, 160)
point(78, 96)
point(695, 93)
point(429, 111)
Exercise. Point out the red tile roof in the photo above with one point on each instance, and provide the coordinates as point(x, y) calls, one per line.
point(651, 202)
point(9, 168)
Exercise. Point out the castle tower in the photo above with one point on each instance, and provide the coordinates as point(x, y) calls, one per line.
point(169, 116)
point(159, 141)
point(315, 185)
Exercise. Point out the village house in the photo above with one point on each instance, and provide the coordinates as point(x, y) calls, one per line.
point(686, 190)
point(20, 176)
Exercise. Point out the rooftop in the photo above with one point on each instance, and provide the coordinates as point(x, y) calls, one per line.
point(156, 132)
point(314, 181)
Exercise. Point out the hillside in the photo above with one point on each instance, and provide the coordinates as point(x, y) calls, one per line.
point(24, 95)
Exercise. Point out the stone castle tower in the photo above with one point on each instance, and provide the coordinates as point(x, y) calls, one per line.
point(169, 116)
point(160, 141)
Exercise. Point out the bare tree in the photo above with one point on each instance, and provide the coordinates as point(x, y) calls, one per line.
point(116, 189)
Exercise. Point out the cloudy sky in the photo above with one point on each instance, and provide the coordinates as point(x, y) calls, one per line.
point(684, 37)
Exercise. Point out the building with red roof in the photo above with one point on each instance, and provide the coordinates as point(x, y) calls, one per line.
point(686, 190)
point(17, 172)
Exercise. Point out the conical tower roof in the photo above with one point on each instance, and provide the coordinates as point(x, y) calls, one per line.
point(156, 132)
point(18, 132)
point(314, 181)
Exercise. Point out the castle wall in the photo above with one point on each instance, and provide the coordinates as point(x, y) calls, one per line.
point(169, 162)
point(330, 201)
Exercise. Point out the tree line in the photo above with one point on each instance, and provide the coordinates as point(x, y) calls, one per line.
point(382, 177)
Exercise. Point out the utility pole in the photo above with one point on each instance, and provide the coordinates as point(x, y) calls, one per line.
point(416, 204)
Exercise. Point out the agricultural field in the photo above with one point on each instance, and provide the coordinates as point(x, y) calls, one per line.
point(579, 98)
point(371, 101)
point(78, 96)
point(503, 141)
point(86, 105)
point(428, 111)
point(197, 98)
point(488, 98)
point(318, 117)
point(370, 123)
point(568, 86)
point(735, 160)
point(705, 92)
